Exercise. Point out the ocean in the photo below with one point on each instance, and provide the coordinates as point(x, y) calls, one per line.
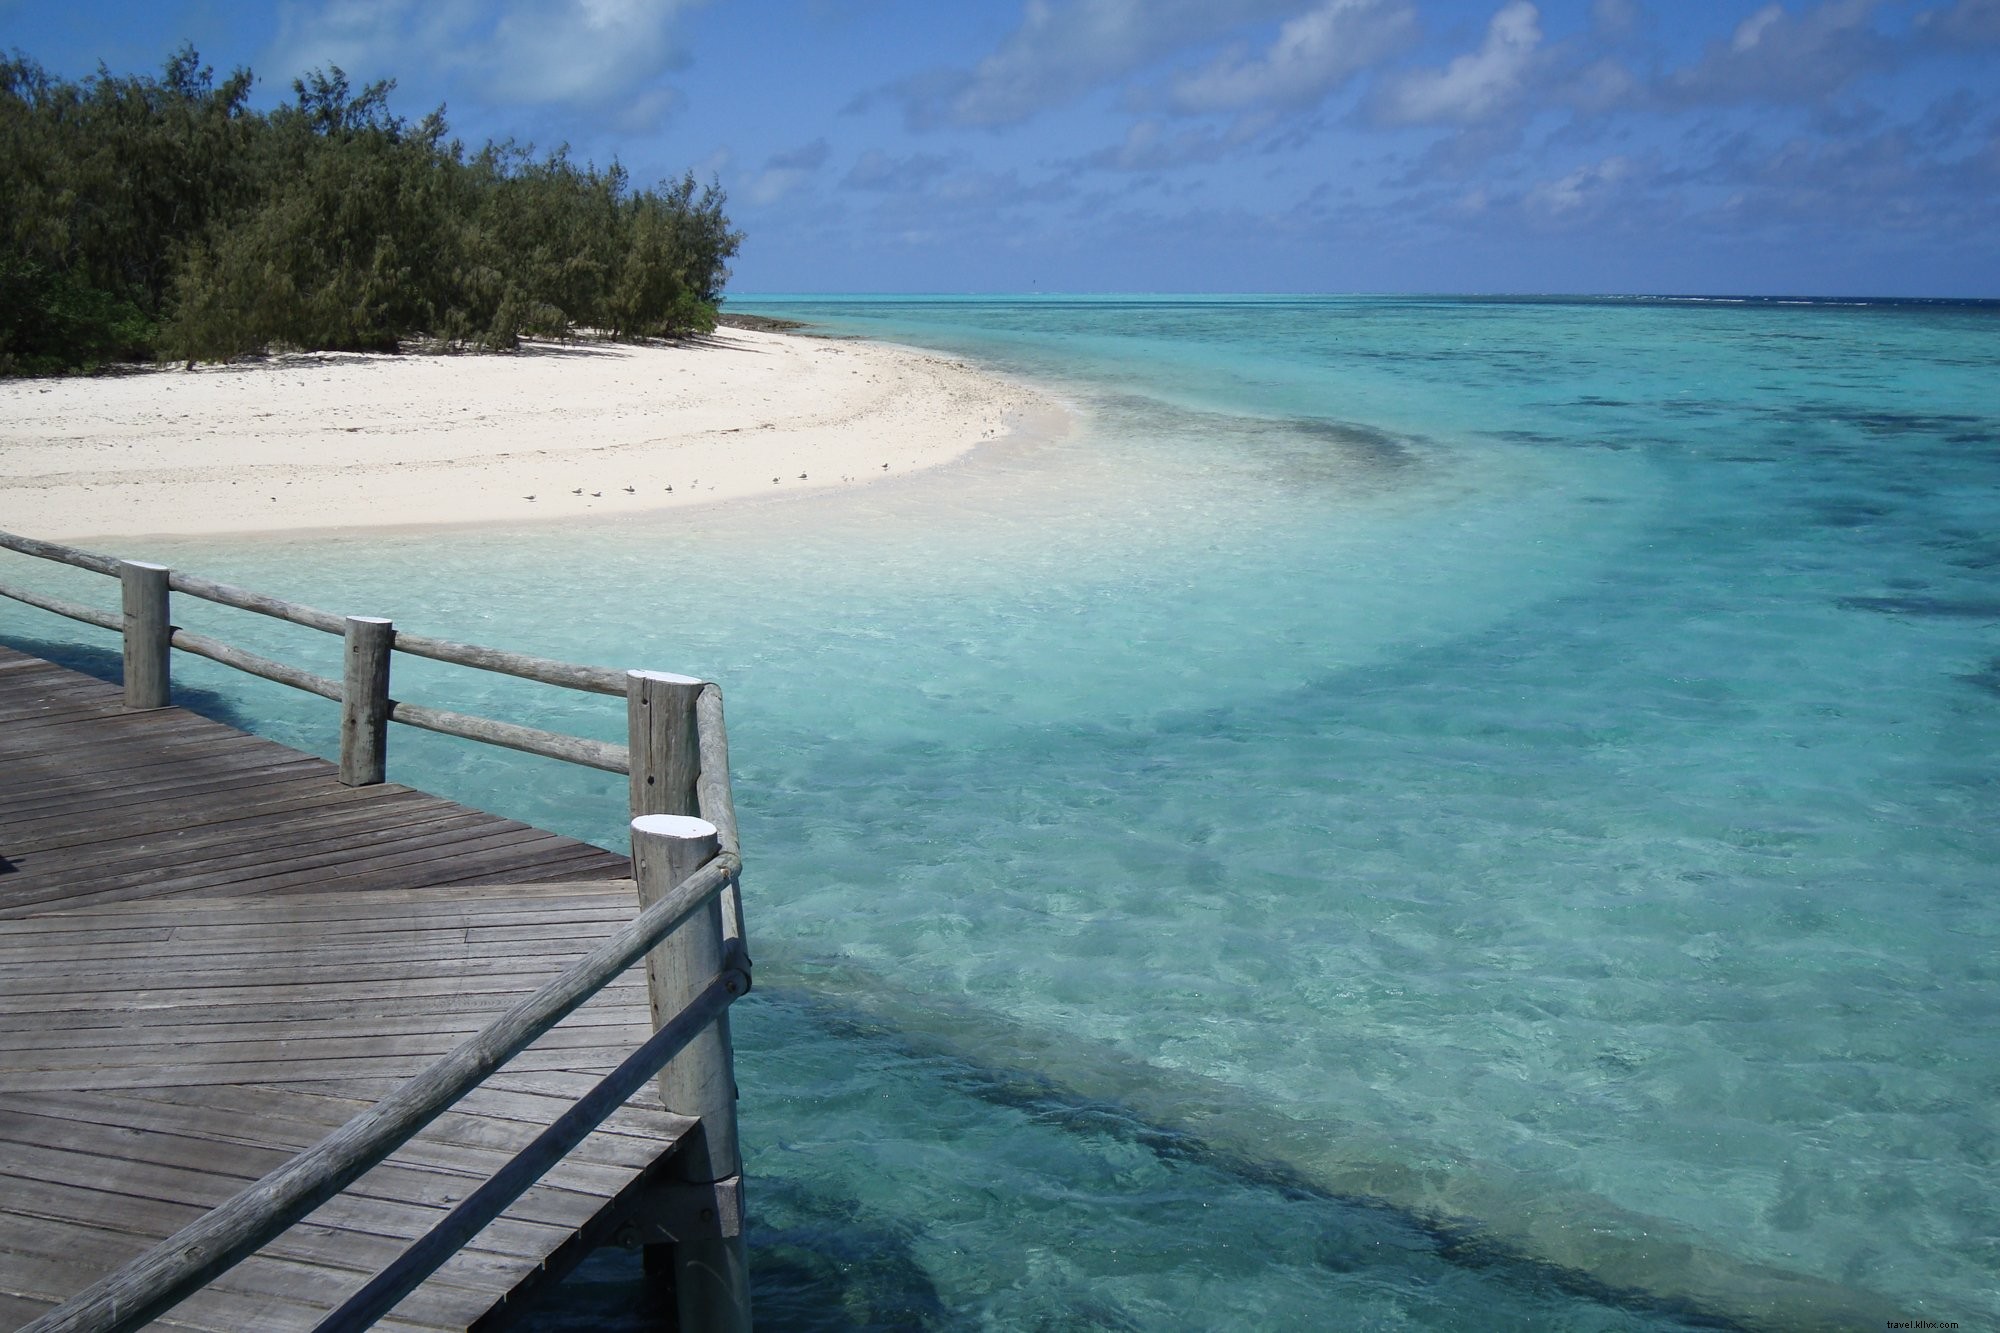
point(1415, 813)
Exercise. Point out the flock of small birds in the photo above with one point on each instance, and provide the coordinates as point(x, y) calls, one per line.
point(634, 490)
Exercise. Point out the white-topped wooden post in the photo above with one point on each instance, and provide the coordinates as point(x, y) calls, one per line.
point(364, 701)
point(149, 632)
point(665, 748)
point(711, 1276)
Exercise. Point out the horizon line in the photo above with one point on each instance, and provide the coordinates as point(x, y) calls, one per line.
point(1128, 294)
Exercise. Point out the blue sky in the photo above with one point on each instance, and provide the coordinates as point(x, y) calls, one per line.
point(1808, 147)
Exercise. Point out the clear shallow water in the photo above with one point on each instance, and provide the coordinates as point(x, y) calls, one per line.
point(1418, 814)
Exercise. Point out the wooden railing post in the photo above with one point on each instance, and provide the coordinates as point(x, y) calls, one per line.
point(664, 745)
point(364, 701)
point(711, 1276)
point(149, 632)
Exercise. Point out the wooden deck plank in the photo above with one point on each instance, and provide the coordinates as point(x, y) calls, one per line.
point(194, 753)
point(402, 851)
point(628, 1139)
point(152, 1186)
point(215, 848)
point(39, 1189)
point(48, 703)
point(309, 1242)
point(424, 1175)
point(173, 831)
point(357, 968)
point(179, 1050)
point(143, 785)
point(263, 1292)
point(428, 945)
point(456, 907)
point(110, 1027)
point(261, 1116)
point(212, 954)
point(20, 1311)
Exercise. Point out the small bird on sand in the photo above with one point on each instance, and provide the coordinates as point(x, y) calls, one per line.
point(596, 495)
point(577, 491)
point(802, 476)
point(631, 490)
point(885, 467)
point(527, 497)
point(670, 490)
point(774, 481)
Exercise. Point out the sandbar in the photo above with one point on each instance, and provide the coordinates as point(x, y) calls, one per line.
point(576, 431)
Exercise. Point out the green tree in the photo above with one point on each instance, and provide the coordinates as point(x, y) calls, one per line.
point(160, 216)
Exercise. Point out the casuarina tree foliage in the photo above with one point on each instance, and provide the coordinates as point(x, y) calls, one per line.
point(162, 217)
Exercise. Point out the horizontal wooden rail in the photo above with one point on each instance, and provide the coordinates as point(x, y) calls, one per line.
point(228, 594)
point(568, 675)
point(546, 670)
point(217, 1241)
point(531, 740)
point(65, 555)
point(110, 620)
point(217, 651)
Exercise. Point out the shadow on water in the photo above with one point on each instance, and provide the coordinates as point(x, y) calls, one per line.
point(1946, 608)
point(1988, 680)
point(819, 1263)
point(822, 1262)
point(1305, 453)
point(1471, 1215)
point(108, 664)
point(1294, 453)
point(1361, 1231)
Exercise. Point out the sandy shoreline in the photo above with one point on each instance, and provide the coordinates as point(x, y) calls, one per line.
point(588, 430)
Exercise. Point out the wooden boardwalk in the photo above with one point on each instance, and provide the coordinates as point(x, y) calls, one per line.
point(212, 953)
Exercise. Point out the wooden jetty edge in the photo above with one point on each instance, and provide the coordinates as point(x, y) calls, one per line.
point(284, 1045)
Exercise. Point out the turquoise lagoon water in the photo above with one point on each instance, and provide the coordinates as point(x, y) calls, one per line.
point(1412, 813)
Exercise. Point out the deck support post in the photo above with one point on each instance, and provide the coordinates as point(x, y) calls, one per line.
point(711, 1275)
point(364, 701)
point(149, 632)
point(665, 748)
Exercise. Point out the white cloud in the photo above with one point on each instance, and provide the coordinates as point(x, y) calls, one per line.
point(1149, 147)
point(1775, 55)
point(1966, 22)
point(806, 157)
point(1602, 85)
point(1473, 86)
point(647, 110)
point(1616, 19)
point(1314, 53)
point(1065, 49)
point(1582, 189)
point(714, 164)
point(1750, 32)
point(876, 170)
point(572, 52)
point(785, 172)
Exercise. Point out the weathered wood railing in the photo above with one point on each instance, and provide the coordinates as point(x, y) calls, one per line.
point(686, 860)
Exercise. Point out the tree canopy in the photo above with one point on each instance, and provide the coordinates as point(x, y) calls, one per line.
point(160, 217)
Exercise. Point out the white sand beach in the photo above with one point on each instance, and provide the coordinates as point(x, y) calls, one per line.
point(553, 431)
